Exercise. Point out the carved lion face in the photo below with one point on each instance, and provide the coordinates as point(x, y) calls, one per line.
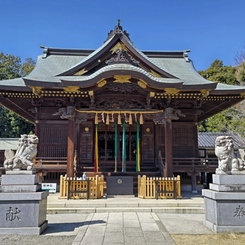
point(33, 139)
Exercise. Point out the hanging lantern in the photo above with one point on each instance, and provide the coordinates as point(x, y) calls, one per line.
point(130, 120)
point(119, 120)
point(96, 121)
point(141, 119)
point(107, 120)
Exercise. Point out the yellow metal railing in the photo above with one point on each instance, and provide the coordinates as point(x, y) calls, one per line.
point(149, 187)
point(79, 189)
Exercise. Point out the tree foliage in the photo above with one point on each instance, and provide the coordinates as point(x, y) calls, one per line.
point(232, 119)
point(11, 125)
point(217, 72)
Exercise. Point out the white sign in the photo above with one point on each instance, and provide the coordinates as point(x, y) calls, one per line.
point(51, 187)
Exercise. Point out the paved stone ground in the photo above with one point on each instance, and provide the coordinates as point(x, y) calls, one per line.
point(126, 228)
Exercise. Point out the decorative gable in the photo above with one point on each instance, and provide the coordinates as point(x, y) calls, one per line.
point(118, 49)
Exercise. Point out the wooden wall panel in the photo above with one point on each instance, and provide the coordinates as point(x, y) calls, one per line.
point(184, 139)
point(85, 142)
point(52, 140)
point(184, 143)
point(147, 142)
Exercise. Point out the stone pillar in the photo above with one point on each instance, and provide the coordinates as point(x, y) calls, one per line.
point(225, 203)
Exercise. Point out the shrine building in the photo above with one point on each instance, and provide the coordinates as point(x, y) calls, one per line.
point(118, 110)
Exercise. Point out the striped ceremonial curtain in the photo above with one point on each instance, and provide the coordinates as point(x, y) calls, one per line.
point(137, 147)
point(124, 148)
point(116, 145)
point(96, 150)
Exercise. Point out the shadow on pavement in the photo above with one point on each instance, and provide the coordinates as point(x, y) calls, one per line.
point(68, 227)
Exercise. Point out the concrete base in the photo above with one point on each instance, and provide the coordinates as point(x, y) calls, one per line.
point(224, 229)
point(225, 204)
point(25, 230)
point(23, 208)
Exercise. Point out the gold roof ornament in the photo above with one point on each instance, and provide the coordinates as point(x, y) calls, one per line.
point(71, 89)
point(122, 79)
point(118, 47)
point(81, 72)
point(171, 90)
point(205, 92)
point(36, 90)
point(101, 83)
point(142, 83)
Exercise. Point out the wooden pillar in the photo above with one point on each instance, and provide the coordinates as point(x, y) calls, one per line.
point(168, 172)
point(37, 121)
point(70, 148)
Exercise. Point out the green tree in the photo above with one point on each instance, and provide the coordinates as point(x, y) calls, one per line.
point(27, 67)
point(240, 73)
point(217, 72)
point(232, 119)
point(11, 125)
point(10, 66)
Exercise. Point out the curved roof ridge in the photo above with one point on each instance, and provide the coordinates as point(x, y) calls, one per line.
point(120, 67)
point(90, 55)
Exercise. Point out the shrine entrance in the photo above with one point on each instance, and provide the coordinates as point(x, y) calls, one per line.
point(117, 144)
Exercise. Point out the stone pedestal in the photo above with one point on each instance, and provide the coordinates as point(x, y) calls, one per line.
point(22, 203)
point(225, 204)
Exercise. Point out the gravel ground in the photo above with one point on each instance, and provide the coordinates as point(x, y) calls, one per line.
point(38, 240)
point(62, 230)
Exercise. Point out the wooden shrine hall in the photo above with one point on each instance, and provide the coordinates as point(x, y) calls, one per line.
point(117, 109)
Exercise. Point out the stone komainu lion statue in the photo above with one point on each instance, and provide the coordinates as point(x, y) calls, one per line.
point(228, 160)
point(26, 152)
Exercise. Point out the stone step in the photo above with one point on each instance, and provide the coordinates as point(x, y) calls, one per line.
point(189, 204)
point(179, 210)
point(90, 204)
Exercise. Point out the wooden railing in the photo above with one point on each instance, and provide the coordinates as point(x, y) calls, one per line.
point(194, 164)
point(54, 166)
point(161, 187)
point(78, 188)
point(39, 161)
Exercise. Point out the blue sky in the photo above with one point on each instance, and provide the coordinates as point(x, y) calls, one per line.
point(211, 29)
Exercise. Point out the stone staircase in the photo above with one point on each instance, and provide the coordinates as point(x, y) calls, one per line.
point(188, 204)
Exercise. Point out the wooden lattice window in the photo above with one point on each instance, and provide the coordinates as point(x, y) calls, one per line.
point(52, 141)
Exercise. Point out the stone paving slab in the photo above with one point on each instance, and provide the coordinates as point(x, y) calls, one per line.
point(184, 223)
point(117, 228)
point(101, 225)
point(126, 228)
